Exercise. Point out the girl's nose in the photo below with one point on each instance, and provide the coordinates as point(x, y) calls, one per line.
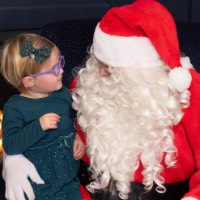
point(61, 70)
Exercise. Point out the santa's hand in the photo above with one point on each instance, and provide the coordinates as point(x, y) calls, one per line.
point(16, 170)
point(184, 98)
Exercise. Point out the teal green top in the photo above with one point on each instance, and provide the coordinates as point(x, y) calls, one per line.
point(21, 127)
point(50, 151)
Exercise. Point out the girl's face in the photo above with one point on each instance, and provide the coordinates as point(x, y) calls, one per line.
point(49, 82)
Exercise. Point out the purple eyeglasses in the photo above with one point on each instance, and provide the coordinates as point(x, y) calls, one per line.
point(55, 70)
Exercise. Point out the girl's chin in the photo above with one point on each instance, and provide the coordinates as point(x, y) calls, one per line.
point(59, 85)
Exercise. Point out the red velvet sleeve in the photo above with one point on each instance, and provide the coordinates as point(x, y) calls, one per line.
point(191, 122)
point(85, 158)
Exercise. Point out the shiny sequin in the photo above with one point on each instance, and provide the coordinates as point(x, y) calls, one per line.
point(57, 166)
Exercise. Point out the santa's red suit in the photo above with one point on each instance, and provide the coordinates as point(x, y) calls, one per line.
point(187, 141)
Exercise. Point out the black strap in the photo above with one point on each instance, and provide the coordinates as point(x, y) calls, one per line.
point(174, 191)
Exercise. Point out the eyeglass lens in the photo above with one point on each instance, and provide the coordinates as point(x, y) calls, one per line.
point(60, 64)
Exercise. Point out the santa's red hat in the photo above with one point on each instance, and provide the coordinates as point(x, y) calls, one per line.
point(142, 34)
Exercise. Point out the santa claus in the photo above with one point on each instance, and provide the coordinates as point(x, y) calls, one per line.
point(132, 100)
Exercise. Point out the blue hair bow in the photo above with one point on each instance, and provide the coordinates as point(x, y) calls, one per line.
point(39, 55)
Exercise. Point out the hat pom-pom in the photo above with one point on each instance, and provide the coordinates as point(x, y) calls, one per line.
point(180, 78)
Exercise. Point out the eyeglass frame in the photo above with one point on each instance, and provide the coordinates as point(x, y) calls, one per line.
point(53, 70)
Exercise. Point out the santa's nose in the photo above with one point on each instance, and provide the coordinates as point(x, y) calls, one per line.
point(103, 71)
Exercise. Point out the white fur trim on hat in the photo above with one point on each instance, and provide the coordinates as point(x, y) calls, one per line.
point(180, 78)
point(123, 51)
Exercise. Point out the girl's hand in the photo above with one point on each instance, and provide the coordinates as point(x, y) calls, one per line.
point(79, 148)
point(49, 121)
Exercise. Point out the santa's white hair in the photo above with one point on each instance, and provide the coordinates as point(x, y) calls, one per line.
point(127, 117)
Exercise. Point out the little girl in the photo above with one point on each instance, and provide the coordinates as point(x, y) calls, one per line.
point(39, 122)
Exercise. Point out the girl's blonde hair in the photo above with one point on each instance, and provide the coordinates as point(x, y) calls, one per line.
point(13, 66)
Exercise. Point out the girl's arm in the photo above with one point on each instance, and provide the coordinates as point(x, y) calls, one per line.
point(18, 136)
point(79, 148)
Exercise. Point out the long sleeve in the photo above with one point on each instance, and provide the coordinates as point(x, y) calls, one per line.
point(18, 136)
point(191, 122)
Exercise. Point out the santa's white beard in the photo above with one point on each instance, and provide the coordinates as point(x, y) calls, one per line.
point(126, 120)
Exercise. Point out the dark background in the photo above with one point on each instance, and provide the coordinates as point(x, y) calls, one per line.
point(32, 14)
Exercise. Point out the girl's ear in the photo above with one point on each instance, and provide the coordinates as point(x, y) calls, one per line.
point(28, 82)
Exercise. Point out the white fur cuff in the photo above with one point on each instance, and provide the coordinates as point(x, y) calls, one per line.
point(180, 78)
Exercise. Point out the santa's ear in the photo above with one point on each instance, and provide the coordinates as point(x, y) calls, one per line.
point(28, 82)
